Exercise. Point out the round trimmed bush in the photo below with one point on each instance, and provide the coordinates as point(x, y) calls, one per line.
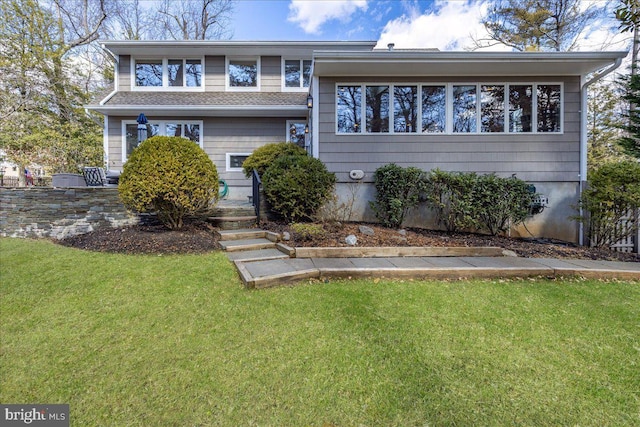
point(297, 186)
point(171, 176)
point(264, 156)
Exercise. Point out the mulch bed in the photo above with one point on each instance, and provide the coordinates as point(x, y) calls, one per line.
point(199, 237)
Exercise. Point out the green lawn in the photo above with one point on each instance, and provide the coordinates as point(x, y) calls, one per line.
point(176, 341)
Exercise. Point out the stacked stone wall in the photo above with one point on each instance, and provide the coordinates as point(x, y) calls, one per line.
point(61, 212)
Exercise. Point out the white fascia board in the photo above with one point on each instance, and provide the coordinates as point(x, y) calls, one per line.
point(221, 48)
point(412, 63)
point(203, 111)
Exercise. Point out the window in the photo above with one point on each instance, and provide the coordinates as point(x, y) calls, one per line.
point(243, 73)
point(434, 109)
point(297, 132)
point(149, 72)
point(349, 109)
point(189, 130)
point(464, 109)
point(405, 109)
point(452, 108)
point(548, 108)
point(520, 108)
point(168, 73)
point(235, 161)
point(297, 73)
point(377, 109)
point(492, 108)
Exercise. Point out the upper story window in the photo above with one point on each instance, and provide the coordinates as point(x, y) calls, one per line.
point(468, 108)
point(168, 73)
point(243, 74)
point(296, 74)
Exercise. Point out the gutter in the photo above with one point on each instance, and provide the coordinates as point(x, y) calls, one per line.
point(116, 76)
point(583, 132)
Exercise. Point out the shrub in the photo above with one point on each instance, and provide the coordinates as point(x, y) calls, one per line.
point(499, 203)
point(397, 190)
point(296, 186)
point(264, 156)
point(306, 231)
point(450, 194)
point(612, 196)
point(171, 176)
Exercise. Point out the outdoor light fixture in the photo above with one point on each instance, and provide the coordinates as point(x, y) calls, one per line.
point(306, 129)
point(309, 102)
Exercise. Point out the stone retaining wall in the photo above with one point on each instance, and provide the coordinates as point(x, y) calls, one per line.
point(61, 212)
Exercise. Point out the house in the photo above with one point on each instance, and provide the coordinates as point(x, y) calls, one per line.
point(357, 108)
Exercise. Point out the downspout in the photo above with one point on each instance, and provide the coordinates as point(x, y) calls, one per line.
point(583, 133)
point(105, 131)
point(116, 67)
point(315, 116)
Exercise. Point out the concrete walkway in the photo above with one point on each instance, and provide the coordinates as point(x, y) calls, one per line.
point(273, 265)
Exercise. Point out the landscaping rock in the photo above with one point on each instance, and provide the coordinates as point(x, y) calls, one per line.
point(286, 236)
point(351, 240)
point(402, 232)
point(366, 230)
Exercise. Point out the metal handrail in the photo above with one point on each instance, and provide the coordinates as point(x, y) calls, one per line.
point(256, 183)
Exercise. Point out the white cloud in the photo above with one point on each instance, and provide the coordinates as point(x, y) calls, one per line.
point(449, 26)
point(311, 14)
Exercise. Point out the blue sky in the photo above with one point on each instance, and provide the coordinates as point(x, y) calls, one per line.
point(446, 25)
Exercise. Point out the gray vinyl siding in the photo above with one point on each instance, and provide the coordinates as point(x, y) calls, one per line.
point(270, 74)
point(124, 71)
point(214, 74)
point(541, 157)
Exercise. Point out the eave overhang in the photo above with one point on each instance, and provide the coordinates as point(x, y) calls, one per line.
point(434, 63)
point(198, 48)
point(202, 110)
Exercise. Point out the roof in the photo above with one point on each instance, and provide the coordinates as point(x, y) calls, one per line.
point(239, 48)
point(206, 103)
point(435, 63)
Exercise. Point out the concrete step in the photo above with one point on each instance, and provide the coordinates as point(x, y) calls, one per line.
point(257, 255)
point(233, 222)
point(246, 244)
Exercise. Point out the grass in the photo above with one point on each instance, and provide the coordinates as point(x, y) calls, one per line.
point(175, 340)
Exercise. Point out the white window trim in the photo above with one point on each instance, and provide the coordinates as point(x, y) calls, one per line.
point(228, 162)
point(288, 128)
point(227, 84)
point(283, 80)
point(449, 107)
point(165, 76)
point(163, 129)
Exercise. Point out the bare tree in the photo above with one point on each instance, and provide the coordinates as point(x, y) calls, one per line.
point(196, 19)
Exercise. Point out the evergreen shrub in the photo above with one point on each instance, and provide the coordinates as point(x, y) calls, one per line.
point(397, 190)
point(264, 156)
point(296, 186)
point(171, 176)
point(613, 197)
